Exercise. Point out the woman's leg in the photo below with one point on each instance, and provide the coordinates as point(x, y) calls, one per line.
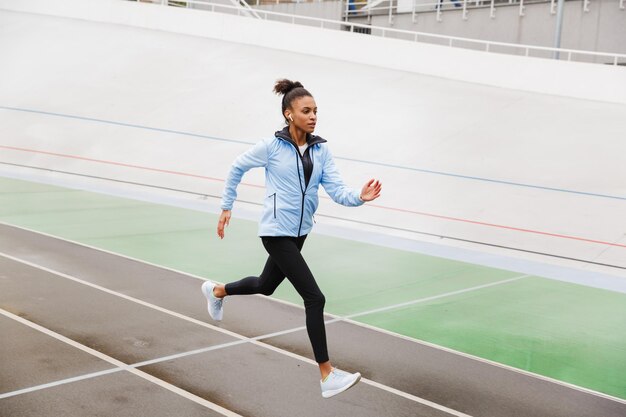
point(285, 253)
point(266, 283)
point(270, 278)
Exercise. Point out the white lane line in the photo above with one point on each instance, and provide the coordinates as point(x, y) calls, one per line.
point(188, 353)
point(434, 297)
point(122, 365)
point(238, 336)
point(336, 318)
point(59, 382)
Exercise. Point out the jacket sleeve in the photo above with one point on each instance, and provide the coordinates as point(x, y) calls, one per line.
point(257, 156)
point(334, 185)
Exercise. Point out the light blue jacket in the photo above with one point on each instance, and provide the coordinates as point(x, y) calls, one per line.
point(289, 206)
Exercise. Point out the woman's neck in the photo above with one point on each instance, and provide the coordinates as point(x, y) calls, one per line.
point(298, 135)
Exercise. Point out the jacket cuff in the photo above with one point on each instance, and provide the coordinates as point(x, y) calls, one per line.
point(360, 202)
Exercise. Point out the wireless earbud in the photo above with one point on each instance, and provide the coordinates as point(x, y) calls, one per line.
point(290, 118)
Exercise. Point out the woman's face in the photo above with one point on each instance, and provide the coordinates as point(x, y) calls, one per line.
point(303, 110)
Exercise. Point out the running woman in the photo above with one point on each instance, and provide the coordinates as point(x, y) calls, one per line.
point(296, 162)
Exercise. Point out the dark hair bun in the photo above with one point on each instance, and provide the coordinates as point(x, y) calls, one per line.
point(284, 86)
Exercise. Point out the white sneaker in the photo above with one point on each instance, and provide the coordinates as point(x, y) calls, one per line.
point(215, 304)
point(337, 382)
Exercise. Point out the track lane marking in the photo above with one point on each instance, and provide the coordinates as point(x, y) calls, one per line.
point(56, 383)
point(434, 297)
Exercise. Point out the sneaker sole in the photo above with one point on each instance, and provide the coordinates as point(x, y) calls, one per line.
point(207, 287)
point(328, 394)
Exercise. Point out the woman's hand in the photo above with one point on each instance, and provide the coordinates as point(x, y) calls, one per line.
point(223, 222)
point(371, 190)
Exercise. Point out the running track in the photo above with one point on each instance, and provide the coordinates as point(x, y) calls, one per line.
point(138, 335)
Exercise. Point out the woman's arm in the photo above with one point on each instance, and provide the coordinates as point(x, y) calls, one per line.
point(342, 194)
point(257, 156)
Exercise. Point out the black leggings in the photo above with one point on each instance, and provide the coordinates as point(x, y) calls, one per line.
point(285, 260)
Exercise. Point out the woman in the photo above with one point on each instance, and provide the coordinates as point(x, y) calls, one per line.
point(296, 162)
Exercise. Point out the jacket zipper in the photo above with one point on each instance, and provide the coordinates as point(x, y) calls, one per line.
point(274, 195)
point(298, 157)
point(313, 163)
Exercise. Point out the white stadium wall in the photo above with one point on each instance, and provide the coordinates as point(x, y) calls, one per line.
point(569, 79)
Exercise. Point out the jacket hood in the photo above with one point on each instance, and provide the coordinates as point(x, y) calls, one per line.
point(310, 139)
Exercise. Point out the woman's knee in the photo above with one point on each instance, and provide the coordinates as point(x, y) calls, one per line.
point(318, 301)
point(322, 300)
point(264, 287)
point(265, 290)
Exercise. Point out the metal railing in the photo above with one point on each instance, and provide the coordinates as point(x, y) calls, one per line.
point(187, 4)
point(387, 7)
point(412, 36)
point(369, 8)
point(264, 2)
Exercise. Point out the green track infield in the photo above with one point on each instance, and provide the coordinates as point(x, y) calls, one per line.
point(569, 332)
